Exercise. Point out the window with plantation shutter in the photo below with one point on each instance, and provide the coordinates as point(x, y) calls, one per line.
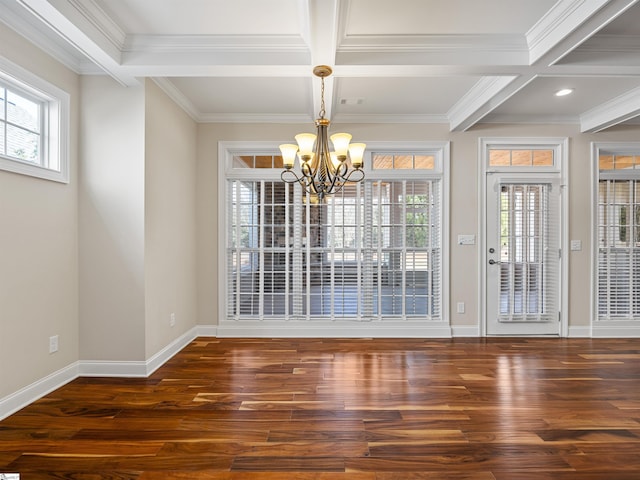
point(371, 252)
point(618, 234)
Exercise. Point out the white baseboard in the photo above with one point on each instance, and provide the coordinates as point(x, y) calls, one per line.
point(321, 329)
point(582, 331)
point(465, 330)
point(207, 330)
point(621, 330)
point(29, 394)
point(95, 368)
point(98, 368)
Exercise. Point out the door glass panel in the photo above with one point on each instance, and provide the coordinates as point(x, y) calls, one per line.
point(523, 242)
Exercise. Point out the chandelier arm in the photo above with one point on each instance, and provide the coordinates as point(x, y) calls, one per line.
point(341, 170)
point(358, 178)
point(291, 173)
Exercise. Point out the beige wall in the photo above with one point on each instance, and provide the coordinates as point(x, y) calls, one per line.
point(464, 171)
point(112, 174)
point(38, 245)
point(170, 216)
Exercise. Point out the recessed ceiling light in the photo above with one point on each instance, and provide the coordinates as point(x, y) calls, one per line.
point(563, 92)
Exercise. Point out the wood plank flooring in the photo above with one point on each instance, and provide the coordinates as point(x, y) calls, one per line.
point(361, 409)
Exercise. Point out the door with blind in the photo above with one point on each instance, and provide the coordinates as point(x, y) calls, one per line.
point(523, 256)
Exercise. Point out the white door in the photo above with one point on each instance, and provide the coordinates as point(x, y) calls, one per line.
point(522, 256)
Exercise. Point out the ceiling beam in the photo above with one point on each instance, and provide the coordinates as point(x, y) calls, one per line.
point(613, 112)
point(321, 30)
point(568, 24)
point(87, 29)
point(483, 97)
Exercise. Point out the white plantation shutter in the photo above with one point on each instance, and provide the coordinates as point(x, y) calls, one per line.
point(372, 250)
point(618, 249)
point(529, 254)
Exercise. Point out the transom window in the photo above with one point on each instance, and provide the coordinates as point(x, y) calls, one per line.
point(403, 162)
point(618, 162)
point(521, 158)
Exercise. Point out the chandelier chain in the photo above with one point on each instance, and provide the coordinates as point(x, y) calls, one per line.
point(322, 108)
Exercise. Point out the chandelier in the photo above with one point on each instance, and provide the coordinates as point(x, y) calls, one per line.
point(323, 172)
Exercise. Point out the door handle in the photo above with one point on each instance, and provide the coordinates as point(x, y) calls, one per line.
point(492, 262)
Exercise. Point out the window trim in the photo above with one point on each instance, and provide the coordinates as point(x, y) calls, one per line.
point(417, 327)
point(55, 124)
point(607, 327)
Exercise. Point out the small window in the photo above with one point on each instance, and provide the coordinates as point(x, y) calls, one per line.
point(520, 158)
point(403, 162)
point(33, 125)
point(258, 161)
point(619, 162)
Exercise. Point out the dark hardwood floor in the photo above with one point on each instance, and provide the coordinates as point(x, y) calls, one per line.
point(472, 409)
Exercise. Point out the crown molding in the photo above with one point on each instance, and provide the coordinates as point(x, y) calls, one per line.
point(178, 97)
point(86, 29)
point(434, 49)
point(254, 118)
point(388, 118)
point(99, 20)
point(497, 118)
point(26, 25)
point(215, 43)
point(562, 19)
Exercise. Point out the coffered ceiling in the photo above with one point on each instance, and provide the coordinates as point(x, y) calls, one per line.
point(459, 62)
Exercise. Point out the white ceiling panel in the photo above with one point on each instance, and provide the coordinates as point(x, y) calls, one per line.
point(247, 95)
point(204, 17)
point(399, 95)
point(438, 17)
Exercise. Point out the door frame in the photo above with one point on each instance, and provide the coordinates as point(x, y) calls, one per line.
point(560, 146)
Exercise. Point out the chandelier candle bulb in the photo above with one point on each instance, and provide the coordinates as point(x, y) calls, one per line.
point(341, 143)
point(289, 152)
point(356, 153)
point(305, 143)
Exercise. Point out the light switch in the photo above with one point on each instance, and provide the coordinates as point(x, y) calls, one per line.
point(576, 245)
point(466, 239)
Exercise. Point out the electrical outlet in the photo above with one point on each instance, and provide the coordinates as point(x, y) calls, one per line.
point(172, 320)
point(53, 344)
point(460, 308)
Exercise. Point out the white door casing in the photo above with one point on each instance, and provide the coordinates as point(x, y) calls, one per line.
point(522, 235)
